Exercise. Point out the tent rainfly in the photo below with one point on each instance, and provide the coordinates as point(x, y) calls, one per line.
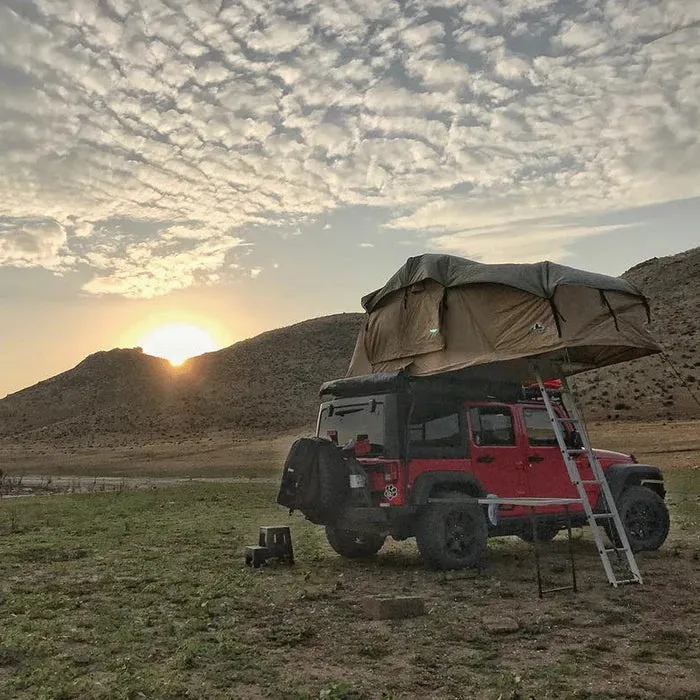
point(441, 313)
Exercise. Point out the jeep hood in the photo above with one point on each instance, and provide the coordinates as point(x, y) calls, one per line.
point(613, 457)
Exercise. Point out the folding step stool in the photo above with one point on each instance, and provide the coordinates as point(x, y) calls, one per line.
point(275, 542)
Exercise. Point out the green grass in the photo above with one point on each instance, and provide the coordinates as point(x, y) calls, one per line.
point(144, 595)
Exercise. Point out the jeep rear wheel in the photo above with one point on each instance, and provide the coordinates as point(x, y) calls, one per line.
point(546, 532)
point(645, 517)
point(354, 545)
point(452, 535)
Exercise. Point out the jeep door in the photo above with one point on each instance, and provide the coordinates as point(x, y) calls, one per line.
point(547, 476)
point(497, 453)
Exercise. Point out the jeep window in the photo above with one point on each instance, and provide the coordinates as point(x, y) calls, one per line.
point(436, 431)
point(492, 425)
point(539, 428)
point(353, 417)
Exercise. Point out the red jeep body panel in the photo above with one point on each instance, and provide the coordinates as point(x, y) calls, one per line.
point(527, 467)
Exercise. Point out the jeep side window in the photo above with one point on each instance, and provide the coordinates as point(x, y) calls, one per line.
point(539, 428)
point(492, 426)
point(436, 436)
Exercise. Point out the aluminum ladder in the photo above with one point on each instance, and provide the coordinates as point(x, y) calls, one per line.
point(624, 557)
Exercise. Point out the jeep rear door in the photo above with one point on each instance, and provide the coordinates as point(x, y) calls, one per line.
point(497, 453)
point(437, 439)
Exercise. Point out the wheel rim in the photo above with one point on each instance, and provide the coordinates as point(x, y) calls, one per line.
point(459, 538)
point(643, 521)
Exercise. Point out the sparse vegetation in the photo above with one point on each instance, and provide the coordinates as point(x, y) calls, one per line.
point(144, 594)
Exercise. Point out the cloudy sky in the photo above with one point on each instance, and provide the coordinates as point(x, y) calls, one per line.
point(245, 164)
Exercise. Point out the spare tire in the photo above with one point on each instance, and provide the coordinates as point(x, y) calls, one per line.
point(315, 480)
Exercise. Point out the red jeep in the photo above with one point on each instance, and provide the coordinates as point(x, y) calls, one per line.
point(419, 452)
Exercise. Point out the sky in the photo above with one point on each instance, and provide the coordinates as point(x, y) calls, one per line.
point(243, 165)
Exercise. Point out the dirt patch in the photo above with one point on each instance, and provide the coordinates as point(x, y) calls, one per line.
point(215, 456)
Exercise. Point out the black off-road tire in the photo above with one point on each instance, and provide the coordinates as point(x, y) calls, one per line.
point(546, 532)
point(354, 545)
point(452, 535)
point(645, 517)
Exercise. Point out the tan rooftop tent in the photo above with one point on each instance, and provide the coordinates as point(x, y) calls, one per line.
point(441, 313)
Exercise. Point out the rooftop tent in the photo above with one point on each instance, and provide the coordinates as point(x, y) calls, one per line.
point(441, 313)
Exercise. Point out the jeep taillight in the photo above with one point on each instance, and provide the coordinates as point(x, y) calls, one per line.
point(362, 446)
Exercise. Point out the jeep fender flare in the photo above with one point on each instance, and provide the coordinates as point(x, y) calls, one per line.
point(454, 480)
point(620, 476)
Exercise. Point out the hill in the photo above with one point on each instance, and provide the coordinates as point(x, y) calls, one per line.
point(257, 387)
point(650, 387)
point(267, 385)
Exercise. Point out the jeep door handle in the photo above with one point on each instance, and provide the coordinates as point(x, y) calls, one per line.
point(485, 458)
point(535, 458)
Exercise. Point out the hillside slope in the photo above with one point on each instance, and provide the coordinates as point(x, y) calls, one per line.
point(264, 385)
point(650, 388)
point(268, 384)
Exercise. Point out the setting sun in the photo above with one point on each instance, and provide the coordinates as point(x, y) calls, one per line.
point(177, 342)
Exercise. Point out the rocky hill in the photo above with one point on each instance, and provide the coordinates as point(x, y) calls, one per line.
point(656, 387)
point(264, 385)
point(268, 384)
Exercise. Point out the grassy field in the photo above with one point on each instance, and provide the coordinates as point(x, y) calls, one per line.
point(144, 595)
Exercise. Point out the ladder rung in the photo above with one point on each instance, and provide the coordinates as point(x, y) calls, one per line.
point(557, 589)
point(603, 516)
point(615, 549)
point(589, 481)
point(623, 581)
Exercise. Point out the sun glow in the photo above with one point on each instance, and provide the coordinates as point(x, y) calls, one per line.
point(177, 342)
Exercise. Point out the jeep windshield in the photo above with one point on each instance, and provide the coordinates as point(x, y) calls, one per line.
point(352, 417)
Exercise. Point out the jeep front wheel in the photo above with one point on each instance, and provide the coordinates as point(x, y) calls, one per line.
point(645, 517)
point(452, 535)
point(354, 545)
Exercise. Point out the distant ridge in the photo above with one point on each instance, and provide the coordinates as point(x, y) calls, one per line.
point(268, 384)
point(264, 385)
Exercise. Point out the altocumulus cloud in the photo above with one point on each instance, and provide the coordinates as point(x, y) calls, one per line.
point(146, 140)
